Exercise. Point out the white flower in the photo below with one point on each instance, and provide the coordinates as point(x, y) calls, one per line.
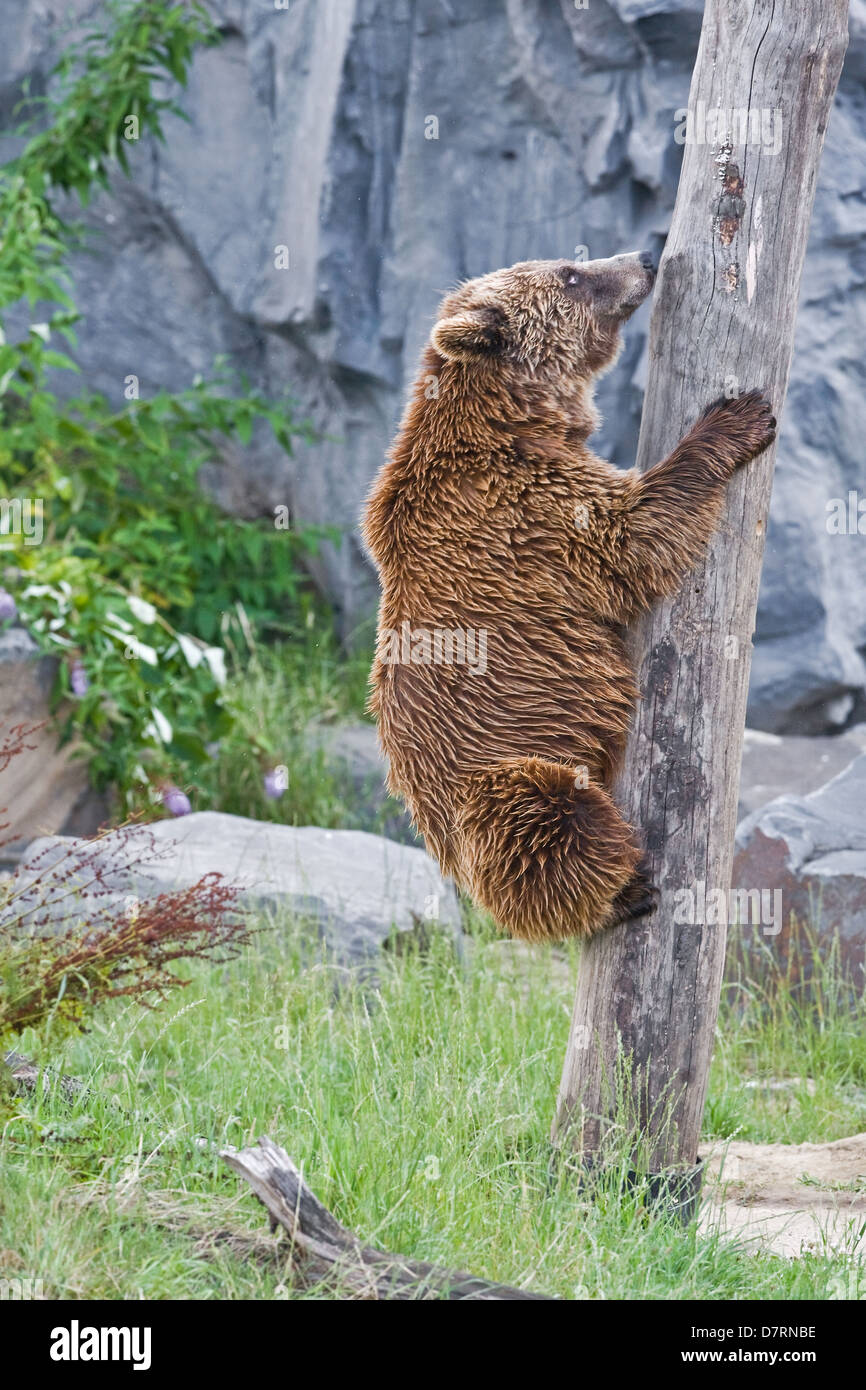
point(191, 649)
point(132, 647)
point(216, 660)
point(118, 622)
point(144, 611)
point(39, 590)
point(159, 728)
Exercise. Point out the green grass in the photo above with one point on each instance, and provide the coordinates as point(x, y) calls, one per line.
point(420, 1112)
point(773, 1027)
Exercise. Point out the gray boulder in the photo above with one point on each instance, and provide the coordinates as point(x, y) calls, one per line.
point(358, 888)
point(811, 849)
point(44, 788)
point(780, 765)
point(351, 752)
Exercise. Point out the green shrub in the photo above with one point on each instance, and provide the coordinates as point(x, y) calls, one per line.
point(138, 571)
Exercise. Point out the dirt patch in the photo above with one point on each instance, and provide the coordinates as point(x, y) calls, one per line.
point(789, 1198)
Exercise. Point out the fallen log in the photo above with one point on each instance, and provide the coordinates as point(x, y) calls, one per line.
point(27, 1075)
point(328, 1251)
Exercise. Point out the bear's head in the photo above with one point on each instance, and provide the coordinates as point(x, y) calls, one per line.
point(544, 317)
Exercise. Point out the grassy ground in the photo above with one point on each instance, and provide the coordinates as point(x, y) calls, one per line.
point(773, 1029)
point(420, 1112)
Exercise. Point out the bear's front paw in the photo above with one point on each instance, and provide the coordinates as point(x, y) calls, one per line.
point(746, 424)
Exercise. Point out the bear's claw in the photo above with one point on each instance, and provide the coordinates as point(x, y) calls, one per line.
point(638, 898)
point(747, 422)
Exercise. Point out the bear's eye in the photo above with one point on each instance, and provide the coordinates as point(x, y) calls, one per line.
point(572, 280)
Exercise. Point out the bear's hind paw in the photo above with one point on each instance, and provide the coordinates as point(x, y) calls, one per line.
point(639, 897)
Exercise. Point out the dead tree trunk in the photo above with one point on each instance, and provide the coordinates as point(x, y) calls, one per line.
point(326, 1250)
point(723, 322)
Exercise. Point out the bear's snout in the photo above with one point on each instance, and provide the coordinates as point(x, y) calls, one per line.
point(618, 285)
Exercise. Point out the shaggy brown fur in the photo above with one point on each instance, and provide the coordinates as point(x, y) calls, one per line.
point(491, 516)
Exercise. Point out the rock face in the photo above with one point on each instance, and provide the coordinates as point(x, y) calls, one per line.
point(353, 755)
point(44, 789)
point(356, 887)
point(389, 149)
point(813, 850)
point(776, 765)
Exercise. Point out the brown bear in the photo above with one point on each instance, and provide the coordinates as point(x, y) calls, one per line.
point(511, 558)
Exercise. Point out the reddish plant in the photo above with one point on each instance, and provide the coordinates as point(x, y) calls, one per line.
point(14, 741)
point(73, 933)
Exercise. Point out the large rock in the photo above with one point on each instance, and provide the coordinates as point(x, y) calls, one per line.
point(812, 849)
point(44, 788)
point(357, 887)
point(780, 765)
point(353, 755)
point(555, 128)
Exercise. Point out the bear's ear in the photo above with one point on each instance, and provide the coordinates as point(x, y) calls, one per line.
point(473, 333)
